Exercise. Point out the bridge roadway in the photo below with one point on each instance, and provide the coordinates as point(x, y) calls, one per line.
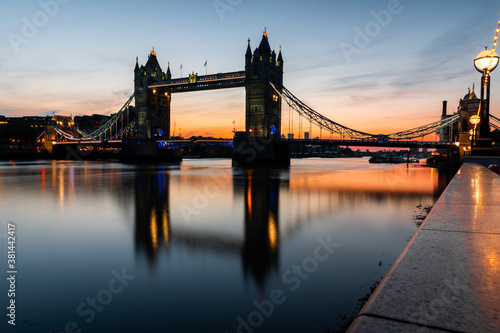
point(321, 142)
point(372, 143)
point(327, 142)
point(447, 278)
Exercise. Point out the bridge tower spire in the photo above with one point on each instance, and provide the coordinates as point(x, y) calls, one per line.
point(152, 104)
point(263, 105)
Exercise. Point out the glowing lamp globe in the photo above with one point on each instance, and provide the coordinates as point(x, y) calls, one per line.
point(474, 120)
point(486, 60)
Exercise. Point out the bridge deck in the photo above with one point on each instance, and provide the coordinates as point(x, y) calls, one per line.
point(320, 142)
point(205, 82)
point(447, 278)
point(373, 143)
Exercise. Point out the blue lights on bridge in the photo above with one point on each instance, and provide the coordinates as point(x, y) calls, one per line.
point(169, 145)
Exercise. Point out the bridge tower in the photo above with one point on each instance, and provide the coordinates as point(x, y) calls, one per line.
point(152, 105)
point(263, 104)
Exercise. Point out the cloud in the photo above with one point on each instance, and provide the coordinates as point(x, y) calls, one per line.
point(121, 93)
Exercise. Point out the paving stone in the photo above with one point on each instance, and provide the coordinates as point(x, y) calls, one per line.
point(376, 325)
point(448, 277)
point(462, 217)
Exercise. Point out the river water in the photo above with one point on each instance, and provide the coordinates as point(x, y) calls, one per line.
point(203, 247)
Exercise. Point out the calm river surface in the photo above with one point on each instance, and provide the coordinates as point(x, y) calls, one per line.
point(202, 247)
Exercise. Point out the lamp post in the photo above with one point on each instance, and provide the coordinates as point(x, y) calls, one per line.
point(485, 62)
point(474, 120)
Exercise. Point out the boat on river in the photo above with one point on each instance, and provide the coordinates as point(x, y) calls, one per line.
point(391, 159)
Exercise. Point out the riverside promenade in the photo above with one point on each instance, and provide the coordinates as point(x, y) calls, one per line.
point(448, 277)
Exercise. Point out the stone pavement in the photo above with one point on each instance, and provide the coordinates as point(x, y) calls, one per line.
point(448, 277)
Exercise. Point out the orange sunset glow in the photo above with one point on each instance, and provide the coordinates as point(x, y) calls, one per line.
point(378, 84)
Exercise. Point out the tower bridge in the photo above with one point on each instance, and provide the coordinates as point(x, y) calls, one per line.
point(153, 91)
point(148, 123)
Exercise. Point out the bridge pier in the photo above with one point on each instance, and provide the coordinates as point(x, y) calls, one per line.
point(252, 151)
point(147, 150)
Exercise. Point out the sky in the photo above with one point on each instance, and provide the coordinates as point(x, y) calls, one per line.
point(375, 66)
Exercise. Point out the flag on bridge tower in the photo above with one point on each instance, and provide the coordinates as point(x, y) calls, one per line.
point(206, 67)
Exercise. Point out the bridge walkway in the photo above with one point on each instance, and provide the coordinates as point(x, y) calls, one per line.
point(448, 277)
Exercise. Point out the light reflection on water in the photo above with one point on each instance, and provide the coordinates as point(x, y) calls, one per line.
point(206, 242)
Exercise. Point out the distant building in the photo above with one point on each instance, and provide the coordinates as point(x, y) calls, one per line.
point(446, 134)
point(35, 122)
point(63, 121)
point(467, 107)
point(89, 124)
point(27, 131)
point(462, 132)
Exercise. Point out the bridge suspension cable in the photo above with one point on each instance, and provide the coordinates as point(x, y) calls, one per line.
point(97, 134)
point(317, 118)
point(119, 134)
point(492, 124)
point(424, 130)
point(333, 127)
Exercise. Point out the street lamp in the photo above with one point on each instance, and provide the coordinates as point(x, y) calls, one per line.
point(485, 62)
point(474, 120)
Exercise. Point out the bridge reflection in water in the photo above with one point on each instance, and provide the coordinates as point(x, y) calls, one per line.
point(152, 217)
point(259, 249)
point(196, 207)
point(206, 241)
